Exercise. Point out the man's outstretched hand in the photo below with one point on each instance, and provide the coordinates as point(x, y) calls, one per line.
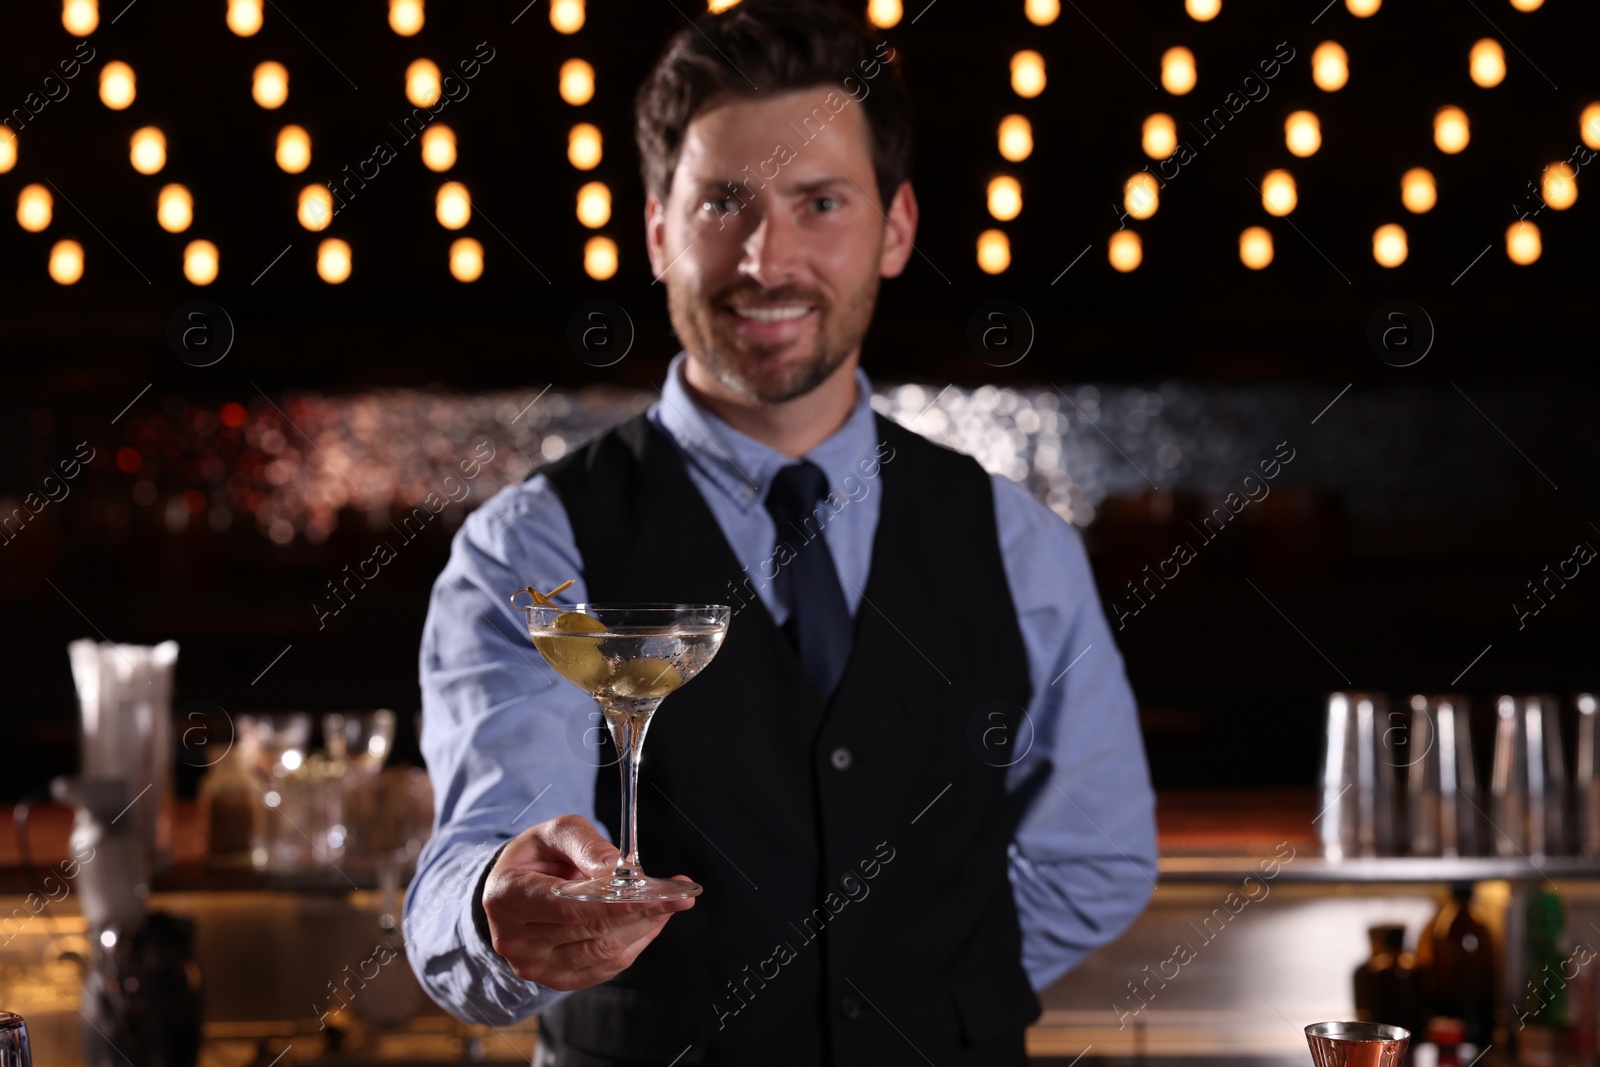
point(565, 944)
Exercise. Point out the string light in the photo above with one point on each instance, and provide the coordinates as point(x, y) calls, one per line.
point(577, 82)
point(1527, 5)
point(8, 149)
point(600, 258)
point(333, 260)
point(1278, 194)
point(466, 259)
point(1450, 131)
point(117, 86)
point(148, 150)
point(452, 206)
point(1016, 138)
point(994, 251)
point(316, 207)
point(1303, 133)
point(1178, 73)
point(567, 15)
point(583, 146)
point(1487, 63)
point(1389, 245)
point(438, 147)
point(1559, 186)
point(1042, 12)
point(1126, 251)
point(1363, 9)
point(422, 82)
point(1159, 138)
point(405, 17)
point(66, 262)
point(1522, 243)
point(1027, 73)
point(1255, 247)
point(1139, 195)
point(1417, 190)
point(1005, 198)
point(1589, 125)
point(594, 205)
point(294, 149)
point(719, 6)
point(884, 14)
point(174, 208)
point(1330, 67)
point(80, 17)
point(244, 17)
point(1203, 10)
point(200, 262)
point(34, 208)
point(269, 85)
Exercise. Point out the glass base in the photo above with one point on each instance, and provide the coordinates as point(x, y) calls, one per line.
point(626, 890)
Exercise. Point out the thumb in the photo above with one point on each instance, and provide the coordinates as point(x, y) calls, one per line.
point(580, 842)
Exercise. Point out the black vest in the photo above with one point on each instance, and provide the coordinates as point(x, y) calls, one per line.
point(853, 852)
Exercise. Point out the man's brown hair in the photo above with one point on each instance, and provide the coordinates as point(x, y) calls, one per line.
point(779, 46)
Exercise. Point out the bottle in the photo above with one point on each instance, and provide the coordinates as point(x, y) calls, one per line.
point(1444, 1034)
point(1387, 986)
point(1542, 1015)
point(1456, 956)
point(231, 809)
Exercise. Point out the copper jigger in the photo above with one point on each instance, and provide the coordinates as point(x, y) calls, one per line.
point(1357, 1044)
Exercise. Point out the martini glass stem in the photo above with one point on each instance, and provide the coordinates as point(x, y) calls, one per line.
point(627, 731)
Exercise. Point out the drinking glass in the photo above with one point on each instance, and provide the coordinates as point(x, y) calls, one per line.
point(1357, 1044)
point(1358, 773)
point(628, 657)
point(1587, 786)
point(14, 1050)
point(1443, 802)
point(1529, 788)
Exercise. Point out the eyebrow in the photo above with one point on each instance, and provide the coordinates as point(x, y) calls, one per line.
point(706, 185)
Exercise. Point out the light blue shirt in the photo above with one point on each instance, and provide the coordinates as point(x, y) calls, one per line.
point(500, 739)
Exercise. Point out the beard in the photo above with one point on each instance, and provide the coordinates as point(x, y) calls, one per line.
point(770, 374)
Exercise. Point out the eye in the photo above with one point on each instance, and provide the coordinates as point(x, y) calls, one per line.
point(715, 202)
point(826, 199)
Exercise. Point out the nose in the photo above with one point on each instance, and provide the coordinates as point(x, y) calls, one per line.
point(771, 251)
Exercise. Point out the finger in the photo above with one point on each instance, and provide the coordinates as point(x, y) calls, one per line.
point(577, 839)
point(620, 946)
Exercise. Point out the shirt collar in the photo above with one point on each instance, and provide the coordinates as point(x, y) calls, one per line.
point(741, 467)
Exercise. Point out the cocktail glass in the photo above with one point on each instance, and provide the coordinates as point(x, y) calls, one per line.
point(628, 657)
point(1340, 1044)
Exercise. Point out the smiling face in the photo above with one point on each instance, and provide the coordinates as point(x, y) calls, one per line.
point(771, 281)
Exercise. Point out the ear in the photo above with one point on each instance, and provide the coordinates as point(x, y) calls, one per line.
point(655, 224)
point(899, 232)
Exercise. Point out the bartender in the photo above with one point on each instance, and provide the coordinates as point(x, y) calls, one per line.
point(912, 782)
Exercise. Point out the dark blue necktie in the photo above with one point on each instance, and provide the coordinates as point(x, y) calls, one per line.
point(807, 582)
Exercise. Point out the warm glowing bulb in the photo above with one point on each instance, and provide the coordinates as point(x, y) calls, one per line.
point(1139, 196)
point(716, 7)
point(8, 149)
point(1016, 138)
point(1203, 10)
point(577, 82)
point(1522, 243)
point(567, 15)
point(466, 259)
point(244, 17)
point(200, 262)
point(117, 88)
point(148, 150)
point(1177, 70)
point(1126, 251)
point(66, 262)
point(1417, 190)
point(294, 149)
point(1362, 9)
point(884, 13)
point(34, 207)
point(583, 146)
point(1278, 193)
point(1005, 198)
point(270, 85)
point(438, 147)
point(405, 17)
point(1389, 245)
point(333, 260)
point(1027, 73)
point(1042, 12)
point(80, 17)
point(1559, 186)
point(1255, 247)
point(994, 251)
point(1330, 67)
point(1589, 125)
point(1450, 130)
point(1303, 133)
point(174, 208)
point(1487, 63)
point(594, 205)
point(422, 82)
point(1160, 136)
point(452, 205)
point(316, 207)
point(600, 258)
point(1527, 5)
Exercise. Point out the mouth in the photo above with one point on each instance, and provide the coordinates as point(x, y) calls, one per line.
point(770, 323)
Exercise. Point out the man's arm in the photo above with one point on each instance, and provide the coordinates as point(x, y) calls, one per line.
point(1083, 863)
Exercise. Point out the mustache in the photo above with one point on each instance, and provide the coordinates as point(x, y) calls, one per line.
point(769, 296)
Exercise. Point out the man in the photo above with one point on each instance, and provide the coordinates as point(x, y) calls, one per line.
point(912, 782)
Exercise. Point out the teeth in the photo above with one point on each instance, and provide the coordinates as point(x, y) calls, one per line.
point(771, 314)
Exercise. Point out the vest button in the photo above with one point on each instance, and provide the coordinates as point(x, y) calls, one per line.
point(840, 759)
point(850, 1008)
